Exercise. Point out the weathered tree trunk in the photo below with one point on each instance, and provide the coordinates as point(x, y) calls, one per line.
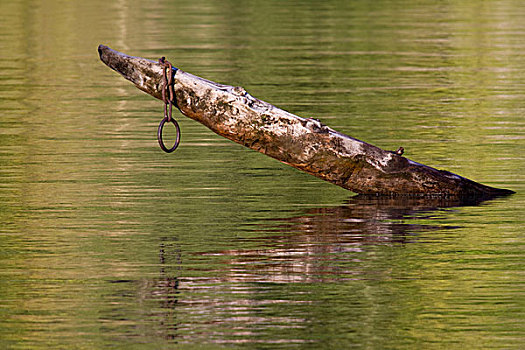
point(305, 144)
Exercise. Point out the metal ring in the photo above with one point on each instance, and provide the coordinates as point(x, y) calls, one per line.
point(159, 135)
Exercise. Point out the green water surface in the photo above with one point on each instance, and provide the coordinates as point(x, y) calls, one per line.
point(107, 242)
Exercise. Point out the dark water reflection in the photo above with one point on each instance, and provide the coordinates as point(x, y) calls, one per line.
point(310, 247)
point(320, 248)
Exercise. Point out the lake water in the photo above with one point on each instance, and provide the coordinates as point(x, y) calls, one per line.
point(107, 242)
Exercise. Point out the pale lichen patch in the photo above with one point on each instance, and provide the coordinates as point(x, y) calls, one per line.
point(349, 147)
point(380, 163)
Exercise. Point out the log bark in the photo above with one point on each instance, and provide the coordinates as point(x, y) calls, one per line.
point(304, 143)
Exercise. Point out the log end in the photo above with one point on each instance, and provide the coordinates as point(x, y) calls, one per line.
point(144, 73)
point(115, 60)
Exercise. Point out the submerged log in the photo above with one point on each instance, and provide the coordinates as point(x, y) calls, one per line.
point(304, 143)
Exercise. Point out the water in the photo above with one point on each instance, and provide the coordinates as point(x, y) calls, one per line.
point(107, 242)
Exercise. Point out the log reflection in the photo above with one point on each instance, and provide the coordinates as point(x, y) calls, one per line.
point(319, 245)
point(328, 244)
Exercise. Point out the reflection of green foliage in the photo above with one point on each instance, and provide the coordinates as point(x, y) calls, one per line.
point(87, 201)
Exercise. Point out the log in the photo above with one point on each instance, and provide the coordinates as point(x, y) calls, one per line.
point(304, 143)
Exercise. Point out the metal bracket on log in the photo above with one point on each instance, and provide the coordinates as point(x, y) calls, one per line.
point(303, 143)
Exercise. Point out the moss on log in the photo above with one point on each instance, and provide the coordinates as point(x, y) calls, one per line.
point(304, 143)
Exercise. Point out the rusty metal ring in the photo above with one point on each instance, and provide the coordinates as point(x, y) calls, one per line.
point(159, 135)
